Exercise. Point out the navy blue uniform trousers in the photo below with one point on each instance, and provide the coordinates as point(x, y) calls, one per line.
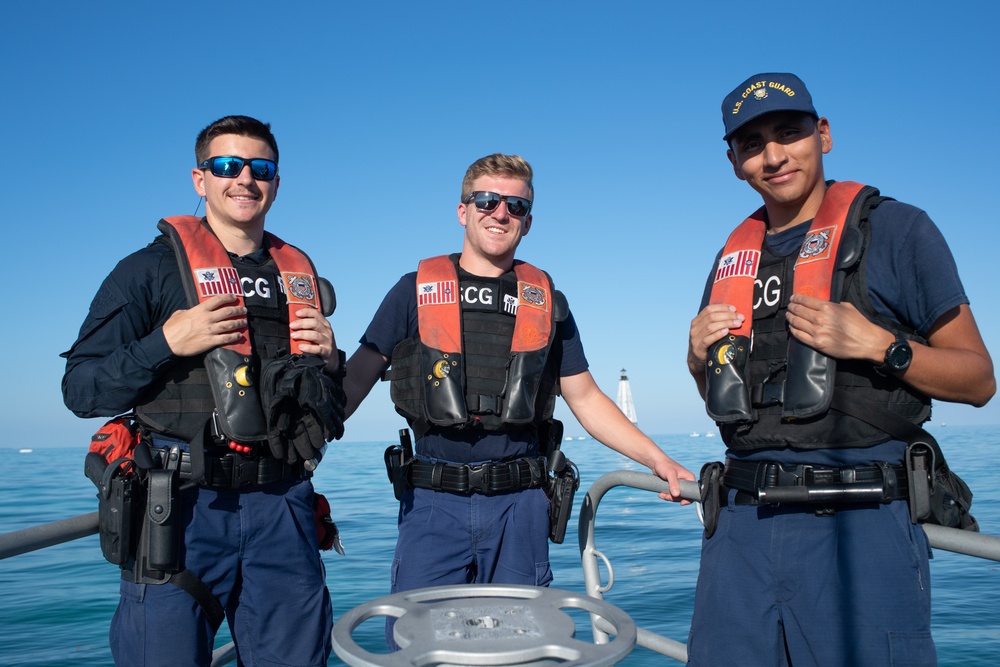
point(257, 551)
point(782, 586)
point(450, 539)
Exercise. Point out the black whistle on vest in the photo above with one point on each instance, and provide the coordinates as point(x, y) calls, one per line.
point(727, 396)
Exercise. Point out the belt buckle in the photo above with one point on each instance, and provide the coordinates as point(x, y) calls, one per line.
point(244, 471)
point(479, 478)
point(775, 474)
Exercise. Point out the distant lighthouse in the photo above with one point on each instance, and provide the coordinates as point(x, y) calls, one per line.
point(625, 398)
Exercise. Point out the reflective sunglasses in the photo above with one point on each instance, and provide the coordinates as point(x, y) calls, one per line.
point(230, 166)
point(489, 201)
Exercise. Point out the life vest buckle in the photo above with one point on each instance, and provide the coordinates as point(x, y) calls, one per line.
point(769, 392)
point(479, 478)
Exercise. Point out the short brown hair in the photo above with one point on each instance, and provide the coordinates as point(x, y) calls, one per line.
point(244, 126)
point(498, 164)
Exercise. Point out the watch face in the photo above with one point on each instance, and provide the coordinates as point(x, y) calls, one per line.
point(898, 356)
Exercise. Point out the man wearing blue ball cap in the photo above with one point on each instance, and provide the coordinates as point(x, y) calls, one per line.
point(831, 318)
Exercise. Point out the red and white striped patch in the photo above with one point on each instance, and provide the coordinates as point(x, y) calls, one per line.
point(440, 292)
point(221, 280)
point(742, 263)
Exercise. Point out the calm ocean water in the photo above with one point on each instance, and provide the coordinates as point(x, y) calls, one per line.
point(57, 603)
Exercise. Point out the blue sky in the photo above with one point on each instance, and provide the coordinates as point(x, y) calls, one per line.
point(379, 107)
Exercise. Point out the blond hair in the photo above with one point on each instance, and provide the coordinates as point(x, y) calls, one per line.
point(498, 164)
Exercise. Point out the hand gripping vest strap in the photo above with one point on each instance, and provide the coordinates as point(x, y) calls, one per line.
point(439, 319)
point(207, 271)
point(809, 385)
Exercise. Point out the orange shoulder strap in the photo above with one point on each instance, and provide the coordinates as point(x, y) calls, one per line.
point(737, 270)
point(298, 277)
point(533, 325)
point(439, 315)
point(204, 259)
point(817, 259)
point(206, 264)
point(814, 267)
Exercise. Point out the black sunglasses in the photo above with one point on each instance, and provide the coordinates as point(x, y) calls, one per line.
point(488, 201)
point(230, 166)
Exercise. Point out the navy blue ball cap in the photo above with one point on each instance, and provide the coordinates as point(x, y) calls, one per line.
point(761, 94)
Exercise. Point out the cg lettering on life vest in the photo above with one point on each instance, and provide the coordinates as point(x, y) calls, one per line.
point(259, 287)
point(767, 291)
point(475, 294)
point(487, 297)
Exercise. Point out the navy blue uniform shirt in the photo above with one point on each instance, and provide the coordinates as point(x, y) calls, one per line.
point(121, 350)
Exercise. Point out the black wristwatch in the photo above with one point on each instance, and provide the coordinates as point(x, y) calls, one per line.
point(897, 357)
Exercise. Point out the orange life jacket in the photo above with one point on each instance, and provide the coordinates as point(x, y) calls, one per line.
point(206, 271)
point(767, 398)
point(430, 382)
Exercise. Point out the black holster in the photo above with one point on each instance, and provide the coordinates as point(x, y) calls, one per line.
point(119, 506)
point(139, 520)
point(397, 460)
point(562, 478)
point(563, 481)
point(713, 495)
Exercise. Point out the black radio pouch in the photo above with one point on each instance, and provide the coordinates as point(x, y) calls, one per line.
point(120, 502)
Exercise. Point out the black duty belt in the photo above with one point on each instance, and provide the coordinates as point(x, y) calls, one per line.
point(486, 478)
point(232, 470)
point(770, 483)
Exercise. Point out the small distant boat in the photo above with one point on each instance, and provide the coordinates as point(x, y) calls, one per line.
point(568, 438)
point(25, 451)
point(581, 437)
point(695, 434)
point(709, 435)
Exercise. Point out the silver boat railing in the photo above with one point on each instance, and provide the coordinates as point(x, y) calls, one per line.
point(949, 539)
